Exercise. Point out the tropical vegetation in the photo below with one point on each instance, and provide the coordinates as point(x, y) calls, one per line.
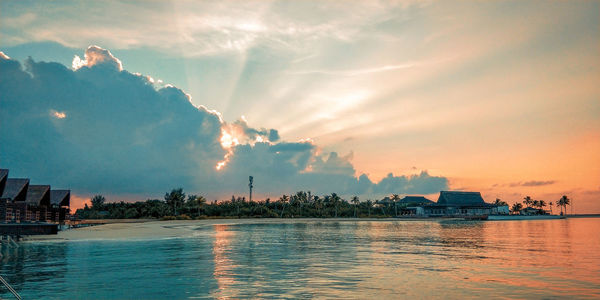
point(177, 205)
point(564, 201)
point(516, 208)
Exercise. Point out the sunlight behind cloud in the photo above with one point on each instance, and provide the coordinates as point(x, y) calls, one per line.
point(57, 114)
point(95, 55)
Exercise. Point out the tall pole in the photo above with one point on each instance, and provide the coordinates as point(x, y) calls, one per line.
point(250, 186)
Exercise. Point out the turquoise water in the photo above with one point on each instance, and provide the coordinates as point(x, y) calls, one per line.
point(311, 259)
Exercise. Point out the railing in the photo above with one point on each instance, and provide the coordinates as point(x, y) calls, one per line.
point(10, 288)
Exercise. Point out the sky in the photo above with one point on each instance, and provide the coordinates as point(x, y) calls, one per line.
point(130, 99)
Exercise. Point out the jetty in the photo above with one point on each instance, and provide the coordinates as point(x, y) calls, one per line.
point(20, 229)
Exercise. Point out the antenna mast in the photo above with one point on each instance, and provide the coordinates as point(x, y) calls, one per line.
point(250, 186)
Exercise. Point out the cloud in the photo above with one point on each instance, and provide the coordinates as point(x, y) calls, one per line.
point(246, 134)
point(273, 135)
point(96, 56)
point(537, 183)
point(422, 183)
point(97, 128)
point(532, 183)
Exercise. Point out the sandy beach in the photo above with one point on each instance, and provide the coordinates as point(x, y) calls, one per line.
point(168, 229)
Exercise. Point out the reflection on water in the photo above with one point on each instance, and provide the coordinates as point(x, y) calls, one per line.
point(223, 272)
point(307, 259)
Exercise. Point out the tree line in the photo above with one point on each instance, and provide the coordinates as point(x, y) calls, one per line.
point(178, 205)
point(563, 202)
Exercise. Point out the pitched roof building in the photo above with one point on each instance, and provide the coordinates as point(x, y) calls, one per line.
point(452, 198)
point(16, 189)
point(3, 177)
point(60, 197)
point(24, 202)
point(415, 200)
point(38, 195)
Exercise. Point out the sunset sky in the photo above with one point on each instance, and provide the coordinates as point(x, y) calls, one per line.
point(500, 97)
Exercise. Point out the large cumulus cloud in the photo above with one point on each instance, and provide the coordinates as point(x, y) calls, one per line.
point(98, 128)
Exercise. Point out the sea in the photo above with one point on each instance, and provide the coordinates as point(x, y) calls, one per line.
point(303, 259)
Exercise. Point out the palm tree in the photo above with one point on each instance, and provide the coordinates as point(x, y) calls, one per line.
point(301, 197)
point(175, 199)
point(550, 205)
point(201, 202)
point(284, 199)
point(395, 198)
point(499, 202)
point(369, 205)
point(355, 201)
point(318, 204)
point(335, 199)
point(381, 206)
point(516, 207)
point(327, 205)
point(542, 204)
point(527, 201)
point(564, 201)
point(559, 204)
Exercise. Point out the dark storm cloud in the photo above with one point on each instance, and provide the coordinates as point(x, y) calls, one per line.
point(100, 129)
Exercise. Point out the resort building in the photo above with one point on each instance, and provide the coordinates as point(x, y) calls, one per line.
point(3, 177)
point(21, 202)
point(38, 202)
point(415, 200)
point(60, 201)
point(16, 189)
point(12, 202)
point(401, 204)
point(412, 205)
point(459, 204)
point(456, 204)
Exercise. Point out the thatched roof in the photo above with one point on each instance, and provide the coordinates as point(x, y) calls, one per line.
point(60, 197)
point(3, 177)
point(415, 199)
point(16, 189)
point(38, 195)
point(460, 198)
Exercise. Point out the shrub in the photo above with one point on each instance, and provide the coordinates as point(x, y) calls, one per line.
point(183, 217)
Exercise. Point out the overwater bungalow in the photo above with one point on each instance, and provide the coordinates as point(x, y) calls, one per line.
point(22, 202)
point(3, 177)
point(16, 189)
point(12, 202)
point(60, 201)
point(38, 202)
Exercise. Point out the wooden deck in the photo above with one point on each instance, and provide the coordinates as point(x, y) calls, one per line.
point(22, 229)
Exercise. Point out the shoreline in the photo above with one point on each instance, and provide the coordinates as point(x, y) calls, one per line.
point(140, 229)
point(121, 229)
